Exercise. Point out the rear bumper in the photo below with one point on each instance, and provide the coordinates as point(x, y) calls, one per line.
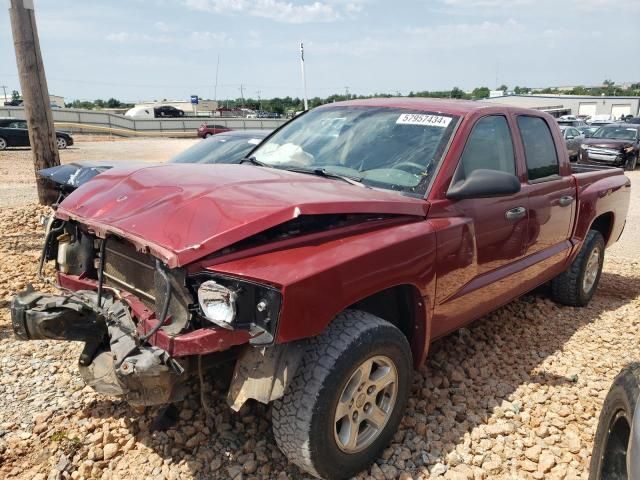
point(114, 360)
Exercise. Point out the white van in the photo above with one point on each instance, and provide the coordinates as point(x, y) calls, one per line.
point(140, 112)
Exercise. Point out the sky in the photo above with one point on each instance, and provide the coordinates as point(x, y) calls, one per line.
point(154, 49)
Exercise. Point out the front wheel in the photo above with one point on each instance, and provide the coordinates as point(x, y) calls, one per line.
point(578, 283)
point(61, 142)
point(347, 398)
point(611, 443)
point(631, 164)
point(3, 144)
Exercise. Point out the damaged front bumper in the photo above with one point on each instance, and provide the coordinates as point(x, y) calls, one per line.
point(115, 360)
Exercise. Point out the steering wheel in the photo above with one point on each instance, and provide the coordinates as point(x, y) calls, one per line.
point(411, 167)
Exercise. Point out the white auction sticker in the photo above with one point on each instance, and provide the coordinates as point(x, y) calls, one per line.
point(422, 119)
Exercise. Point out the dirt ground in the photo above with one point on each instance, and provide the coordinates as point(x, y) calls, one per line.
point(515, 395)
point(16, 165)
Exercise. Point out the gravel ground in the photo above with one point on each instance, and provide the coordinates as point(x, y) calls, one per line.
point(515, 395)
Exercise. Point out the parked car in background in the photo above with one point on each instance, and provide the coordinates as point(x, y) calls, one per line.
point(573, 139)
point(207, 129)
point(602, 119)
point(15, 133)
point(616, 446)
point(140, 113)
point(229, 147)
point(323, 267)
point(572, 123)
point(588, 130)
point(167, 111)
point(634, 120)
point(616, 145)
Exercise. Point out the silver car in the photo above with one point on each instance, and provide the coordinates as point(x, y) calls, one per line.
point(573, 138)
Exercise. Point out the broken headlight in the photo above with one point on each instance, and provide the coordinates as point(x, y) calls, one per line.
point(218, 303)
point(238, 304)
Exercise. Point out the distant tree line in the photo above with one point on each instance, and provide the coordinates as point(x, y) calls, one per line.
point(98, 104)
point(283, 105)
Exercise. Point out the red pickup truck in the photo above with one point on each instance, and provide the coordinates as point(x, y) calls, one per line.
point(325, 264)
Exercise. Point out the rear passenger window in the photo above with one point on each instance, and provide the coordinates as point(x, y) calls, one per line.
point(539, 149)
point(489, 147)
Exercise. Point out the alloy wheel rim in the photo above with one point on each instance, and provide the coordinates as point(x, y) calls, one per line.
point(61, 143)
point(3, 144)
point(591, 270)
point(366, 404)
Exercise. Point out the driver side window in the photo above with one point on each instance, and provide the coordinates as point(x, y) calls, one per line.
point(489, 147)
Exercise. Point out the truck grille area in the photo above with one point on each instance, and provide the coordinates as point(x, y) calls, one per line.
point(127, 269)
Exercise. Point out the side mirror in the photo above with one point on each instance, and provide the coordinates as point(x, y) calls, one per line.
point(483, 183)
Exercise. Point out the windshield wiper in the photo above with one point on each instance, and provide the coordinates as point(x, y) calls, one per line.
point(323, 172)
point(254, 161)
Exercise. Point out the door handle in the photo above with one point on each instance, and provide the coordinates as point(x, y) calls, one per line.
point(566, 201)
point(515, 213)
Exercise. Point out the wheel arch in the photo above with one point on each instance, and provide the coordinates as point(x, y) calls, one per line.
point(402, 306)
point(603, 223)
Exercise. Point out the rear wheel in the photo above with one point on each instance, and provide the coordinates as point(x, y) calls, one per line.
point(578, 283)
point(207, 135)
point(609, 457)
point(347, 398)
point(3, 144)
point(61, 142)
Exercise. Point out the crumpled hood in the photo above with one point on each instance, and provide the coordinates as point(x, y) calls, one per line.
point(607, 143)
point(184, 212)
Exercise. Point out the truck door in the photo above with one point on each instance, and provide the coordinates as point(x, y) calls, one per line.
point(483, 238)
point(551, 191)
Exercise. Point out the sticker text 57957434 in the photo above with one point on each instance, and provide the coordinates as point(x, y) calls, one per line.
point(423, 119)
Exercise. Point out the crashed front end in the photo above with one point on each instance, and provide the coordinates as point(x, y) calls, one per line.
point(142, 323)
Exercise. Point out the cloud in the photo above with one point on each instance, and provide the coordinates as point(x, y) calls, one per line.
point(195, 40)
point(281, 11)
point(487, 3)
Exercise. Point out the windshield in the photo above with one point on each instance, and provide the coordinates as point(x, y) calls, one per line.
point(616, 133)
point(217, 149)
point(391, 148)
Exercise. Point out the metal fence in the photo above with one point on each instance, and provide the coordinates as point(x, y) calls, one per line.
point(88, 121)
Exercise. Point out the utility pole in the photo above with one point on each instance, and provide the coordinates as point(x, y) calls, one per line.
point(304, 77)
point(242, 94)
point(4, 89)
point(215, 89)
point(259, 100)
point(346, 92)
point(33, 83)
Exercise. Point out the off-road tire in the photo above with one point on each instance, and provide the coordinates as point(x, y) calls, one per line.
point(567, 288)
point(303, 420)
point(609, 456)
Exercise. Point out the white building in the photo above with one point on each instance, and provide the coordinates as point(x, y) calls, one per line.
point(558, 105)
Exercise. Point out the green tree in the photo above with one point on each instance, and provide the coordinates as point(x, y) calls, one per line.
point(457, 93)
point(480, 93)
point(15, 95)
point(503, 87)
